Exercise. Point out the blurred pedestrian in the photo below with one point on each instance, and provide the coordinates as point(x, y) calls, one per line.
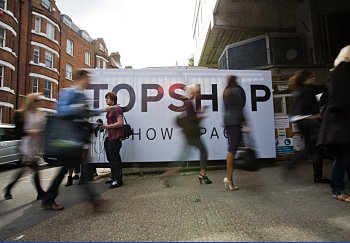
point(234, 99)
point(113, 142)
point(335, 128)
point(305, 113)
point(73, 105)
point(32, 121)
point(190, 124)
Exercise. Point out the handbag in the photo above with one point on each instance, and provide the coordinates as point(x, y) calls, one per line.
point(64, 139)
point(127, 130)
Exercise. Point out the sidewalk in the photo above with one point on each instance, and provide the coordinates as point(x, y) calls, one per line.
point(266, 208)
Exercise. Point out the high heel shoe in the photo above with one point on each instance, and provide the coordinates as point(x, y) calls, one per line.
point(205, 179)
point(229, 185)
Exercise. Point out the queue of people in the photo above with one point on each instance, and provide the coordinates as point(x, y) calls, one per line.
point(326, 131)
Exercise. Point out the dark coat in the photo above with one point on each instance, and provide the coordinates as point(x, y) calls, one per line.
point(304, 101)
point(335, 127)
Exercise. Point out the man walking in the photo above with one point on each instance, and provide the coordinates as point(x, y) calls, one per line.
point(113, 143)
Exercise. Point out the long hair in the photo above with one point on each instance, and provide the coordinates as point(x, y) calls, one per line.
point(298, 78)
point(29, 101)
point(343, 56)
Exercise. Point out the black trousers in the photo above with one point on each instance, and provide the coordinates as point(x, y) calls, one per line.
point(112, 149)
point(35, 167)
point(52, 191)
point(309, 128)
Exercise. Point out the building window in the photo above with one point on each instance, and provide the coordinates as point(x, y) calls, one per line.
point(69, 48)
point(47, 89)
point(2, 37)
point(87, 58)
point(37, 24)
point(102, 48)
point(36, 54)
point(104, 63)
point(67, 20)
point(1, 76)
point(281, 104)
point(85, 35)
point(50, 31)
point(35, 85)
point(1, 114)
point(3, 4)
point(69, 71)
point(48, 59)
point(98, 62)
point(46, 4)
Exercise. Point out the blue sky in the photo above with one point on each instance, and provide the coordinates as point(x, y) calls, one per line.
point(146, 33)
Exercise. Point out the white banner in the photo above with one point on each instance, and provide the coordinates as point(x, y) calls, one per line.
point(153, 98)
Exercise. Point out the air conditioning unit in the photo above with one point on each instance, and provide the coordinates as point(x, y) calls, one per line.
point(263, 51)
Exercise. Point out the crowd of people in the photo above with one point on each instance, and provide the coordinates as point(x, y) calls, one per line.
point(325, 127)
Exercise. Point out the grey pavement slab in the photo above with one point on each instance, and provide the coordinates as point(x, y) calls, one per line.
point(267, 207)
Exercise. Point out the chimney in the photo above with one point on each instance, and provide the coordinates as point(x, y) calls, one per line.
point(116, 57)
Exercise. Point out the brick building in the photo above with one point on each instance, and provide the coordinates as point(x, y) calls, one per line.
point(39, 49)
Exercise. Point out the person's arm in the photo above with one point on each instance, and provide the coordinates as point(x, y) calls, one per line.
point(117, 124)
point(66, 106)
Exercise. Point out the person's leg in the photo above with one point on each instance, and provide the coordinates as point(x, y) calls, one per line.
point(116, 163)
point(107, 151)
point(197, 142)
point(337, 183)
point(83, 167)
point(52, 192)
point(35, 167)
point(317, 160)
point(70, 177)
point(7, 189)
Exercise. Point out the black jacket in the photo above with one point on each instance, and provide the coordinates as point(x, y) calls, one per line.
point(335, 127)
point(304, 101)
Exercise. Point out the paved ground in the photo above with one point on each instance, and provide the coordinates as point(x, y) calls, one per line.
point(266, 208)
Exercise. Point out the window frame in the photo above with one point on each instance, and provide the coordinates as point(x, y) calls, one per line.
point(47, 89)
point(46, 59)
point(50, 31)
point(70, 47)
point(69, 72)
point(37, 24)
point(88, 57)
point(47, 4)
point(5, 4)
point(3, 38)
point(283, 104)
point(2, 74)
point(36, 50)
point(35, 88)
point(101, 47)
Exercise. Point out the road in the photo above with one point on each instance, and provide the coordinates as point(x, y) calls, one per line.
point(266, 208)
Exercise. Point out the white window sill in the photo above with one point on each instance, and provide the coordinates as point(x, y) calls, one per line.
point(8, 50)
point(7, 89)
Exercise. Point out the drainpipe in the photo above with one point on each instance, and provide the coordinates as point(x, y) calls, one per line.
point(18, 53)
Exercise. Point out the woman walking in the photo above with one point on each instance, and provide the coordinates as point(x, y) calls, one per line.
point(30, 145)
point(234, 99)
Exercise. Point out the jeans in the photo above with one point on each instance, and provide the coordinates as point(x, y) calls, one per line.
point(112, 149)
point(340, 166)
point(198, 143)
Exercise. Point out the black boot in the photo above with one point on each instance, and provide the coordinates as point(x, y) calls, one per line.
point(69, 181)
